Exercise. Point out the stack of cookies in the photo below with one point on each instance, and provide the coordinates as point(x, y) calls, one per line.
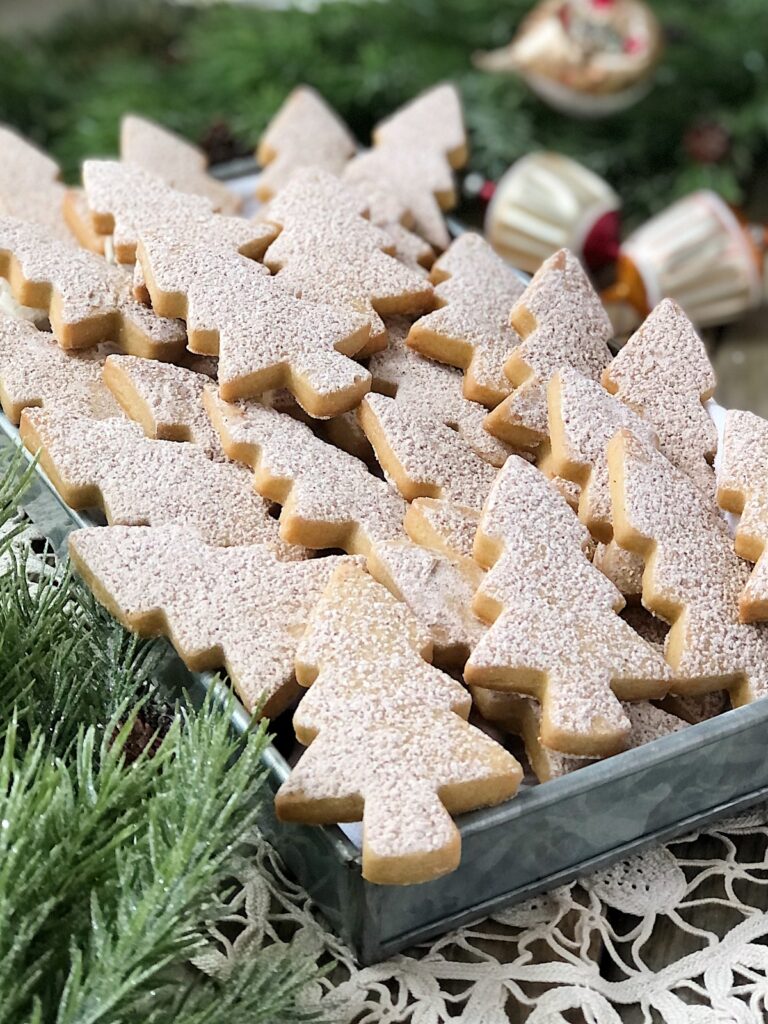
point(372, 475)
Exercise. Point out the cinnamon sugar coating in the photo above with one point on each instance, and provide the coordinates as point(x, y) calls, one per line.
point(555, 634)
point(329, 497)
point(442, 526)
point(433, 120)
point(693, 578)
point(166, 400)
point(87, 300)
point(327, 251)
point(433, 389)
point(34, 371)
point(172, 158)
point(475, 290)
point(127, 201)
point(30, 188)
point(421, 457)
point(563, 325)
point(305, 132)
point(109, 464)
point(521, 716)
point(389, 743)
point(742, 487)
point(236, 608)
point(664, 374)
point(583, 417)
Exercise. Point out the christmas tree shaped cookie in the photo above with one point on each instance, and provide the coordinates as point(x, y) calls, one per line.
point(180, 164)
point(327, 251)
point(234, 608)
point(583, 417)
point(305, 132)
point(437, 589)
point(196, 265)
point(87, 300)
point(563, 324)
point(424, 458)
point(166, 400)
point(742, 487)
point(433, 120)
point(693, 578)
point(556, 634)
point(30, 188)
point(126, 201)
point(442, 526)
point(475, 290)
point(434, 390)
point(35, 372)
point(521, 716)
point(379, 720)
point(329, 498)
point(419, 178)
point(109, 464)
point(664, 374)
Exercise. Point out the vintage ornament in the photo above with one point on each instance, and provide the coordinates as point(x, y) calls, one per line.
point(586, 58)
point(699, 252)
point(546, 202)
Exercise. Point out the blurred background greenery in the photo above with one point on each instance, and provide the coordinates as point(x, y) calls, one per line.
point(217, 72)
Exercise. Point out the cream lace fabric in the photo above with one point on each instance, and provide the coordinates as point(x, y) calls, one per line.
point(677, 935)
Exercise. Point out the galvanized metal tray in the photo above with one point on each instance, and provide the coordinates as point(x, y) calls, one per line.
point(546, 836)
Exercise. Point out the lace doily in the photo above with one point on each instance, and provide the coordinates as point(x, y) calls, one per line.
point(677, 935)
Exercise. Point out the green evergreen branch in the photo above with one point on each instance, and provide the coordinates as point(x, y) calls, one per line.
point(113, 863)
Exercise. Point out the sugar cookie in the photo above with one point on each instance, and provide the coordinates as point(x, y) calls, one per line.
point(87, 300)
point(442, 526)
point(583, 418)
point(623, 568)
point(380, 720)
point(35, 372)
point(563, 324)
point(109, 464)
point(172, 158)
point(166, 400)
point(326, 251)
point(555, 634)
point(433, 120)
point(216, 605)
point(78, 219)
point(125, 202)
point(305, 132)
point(30, 188)
point(420, 179)
point(329, 498)
point(697, 709)
point(434, 390)
point(437, 589)
point(423, 458)
point(742, 487)
point(522, 717)
point(663, 372)
point(693, 578)
point(475, 290)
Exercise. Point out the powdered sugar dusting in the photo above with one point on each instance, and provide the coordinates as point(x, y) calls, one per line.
point(475, 290)
point(238, 608)
point(434, 390)
point(137, 481)
point(424, 458)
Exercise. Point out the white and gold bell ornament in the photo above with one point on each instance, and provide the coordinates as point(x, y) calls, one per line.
point(547, 201)
point(699, 252)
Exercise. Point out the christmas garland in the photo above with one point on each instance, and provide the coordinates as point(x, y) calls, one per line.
point(218, 73)
point(120, 818)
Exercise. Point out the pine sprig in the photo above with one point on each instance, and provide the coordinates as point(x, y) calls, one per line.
point(113, 863)
point(196, 68)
